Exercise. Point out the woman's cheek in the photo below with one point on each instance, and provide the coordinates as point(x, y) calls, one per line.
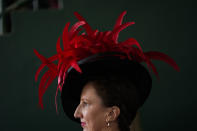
point(85, 111)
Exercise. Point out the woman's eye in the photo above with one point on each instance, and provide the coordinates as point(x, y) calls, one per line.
point(85, 103)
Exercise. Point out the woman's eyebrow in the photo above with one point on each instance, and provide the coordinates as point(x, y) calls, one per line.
point(84, 99)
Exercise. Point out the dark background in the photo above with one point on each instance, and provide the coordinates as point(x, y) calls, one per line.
point(168, 26)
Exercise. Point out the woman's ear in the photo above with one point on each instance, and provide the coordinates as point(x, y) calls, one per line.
point(113, 113)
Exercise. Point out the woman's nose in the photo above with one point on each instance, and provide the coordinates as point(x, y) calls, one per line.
point(78, 113)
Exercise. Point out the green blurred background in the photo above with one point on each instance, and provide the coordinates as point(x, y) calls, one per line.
point(168, 26)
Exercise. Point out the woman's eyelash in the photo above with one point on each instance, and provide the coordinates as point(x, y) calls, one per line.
point(84, 103)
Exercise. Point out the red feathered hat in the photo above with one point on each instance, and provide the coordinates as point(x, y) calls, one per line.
point(94, 53)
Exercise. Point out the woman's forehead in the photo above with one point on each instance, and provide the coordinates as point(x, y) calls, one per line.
point(89, 92)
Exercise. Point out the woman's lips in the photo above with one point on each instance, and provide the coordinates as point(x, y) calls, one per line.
point(83, 124)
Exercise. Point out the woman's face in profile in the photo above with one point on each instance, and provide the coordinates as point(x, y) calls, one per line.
point(91, 111)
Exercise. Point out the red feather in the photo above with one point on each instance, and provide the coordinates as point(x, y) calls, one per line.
point(75, 27)
point(75, 33)
point(65, 36)
point(131, 42)
point(53, 58)
point(76, 66)
point(119, 20)
point(58, 47)
point(115, 32)
point(52, 66)
point(153, 68)
point(86, 26)
point(42, 90)
point(162, 57)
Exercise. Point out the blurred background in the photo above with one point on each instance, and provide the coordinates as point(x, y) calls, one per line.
point(161, 25)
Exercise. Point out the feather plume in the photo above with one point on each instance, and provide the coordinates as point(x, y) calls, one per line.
point(78, 46)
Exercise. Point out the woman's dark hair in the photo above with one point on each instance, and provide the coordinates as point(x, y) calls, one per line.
point(119, 82)
point(119, 91)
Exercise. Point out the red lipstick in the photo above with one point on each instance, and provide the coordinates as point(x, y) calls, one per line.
point(83, 124)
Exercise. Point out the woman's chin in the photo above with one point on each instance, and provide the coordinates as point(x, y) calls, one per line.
point(85, 129)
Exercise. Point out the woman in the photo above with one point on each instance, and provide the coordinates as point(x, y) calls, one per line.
point(101, 80)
